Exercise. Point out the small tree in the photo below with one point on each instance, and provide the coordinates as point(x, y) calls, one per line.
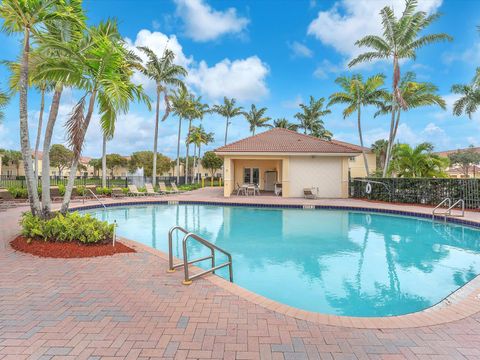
point(115, 161)
point(11, 157)
point(212, 162)
point(144, 160)
point(96, 164)
point(60, 157)
point(465, 159)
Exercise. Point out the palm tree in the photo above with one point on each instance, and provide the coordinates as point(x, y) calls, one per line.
point(197, 111)
point(469, 101)
point(166, 75)
point(311, 118)
point(419, 161)
point(285, 124)
point(379, 148)
point(415, 95)
point(228, 110)
point(401, 39)
point(27, 17)
point(181, 106)
point(4, 98)
point(357, 94)
point(106, 67)
point(256, 118)
point(199, 136)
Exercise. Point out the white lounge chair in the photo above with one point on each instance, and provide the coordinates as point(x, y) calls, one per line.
point(133, 191)
point(151, 190)
point(163, 188)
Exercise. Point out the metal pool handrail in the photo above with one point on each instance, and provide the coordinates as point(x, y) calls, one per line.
point(188, 235)
point(446, 200)
point(95, 196)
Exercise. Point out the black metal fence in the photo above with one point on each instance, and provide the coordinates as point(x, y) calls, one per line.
point(7, 181)
point(426, 191)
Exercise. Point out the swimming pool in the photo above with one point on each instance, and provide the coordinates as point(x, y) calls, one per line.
point(330, 261)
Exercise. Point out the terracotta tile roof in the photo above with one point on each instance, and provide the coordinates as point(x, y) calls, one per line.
point(287, 141)
point(353, 146)
point(448, 152)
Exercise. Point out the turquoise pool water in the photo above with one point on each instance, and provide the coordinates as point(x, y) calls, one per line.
point(329, 261)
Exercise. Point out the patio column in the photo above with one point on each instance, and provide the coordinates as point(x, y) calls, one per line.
point(286, 177)
point(345, 177)
point(229, 170)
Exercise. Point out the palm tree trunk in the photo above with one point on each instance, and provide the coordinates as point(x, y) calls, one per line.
point(104, 162)
point(178, 149)
point(226, 129)
point(39, 129)
point(194, 163)
point(361, 142)
point(76, 157)
point(391, 142)
point(155, 141)
point(188, 147)
point(389, 145)
point(52, 118)
point(24, 136)
point(396, 127)
point(253, 132)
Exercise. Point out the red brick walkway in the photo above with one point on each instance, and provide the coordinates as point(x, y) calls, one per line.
point(127, 307)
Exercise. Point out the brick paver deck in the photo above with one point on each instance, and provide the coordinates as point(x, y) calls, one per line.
point(127, 307)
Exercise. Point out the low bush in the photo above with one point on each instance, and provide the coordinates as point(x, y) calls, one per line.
point(125, 191)
point(18, 192)
point(61, 189)
point(81, 190)
point(67, 228)
point(104, 191)
point(189, 187)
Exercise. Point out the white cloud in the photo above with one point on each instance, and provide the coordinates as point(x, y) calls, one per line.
point(326, 68)
point(293, 103)
point(203, 23)
point(469, 56)
point(349, 20)
point(300, 50)
point(243, 79)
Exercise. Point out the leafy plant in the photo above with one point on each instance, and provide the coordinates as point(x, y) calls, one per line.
point(67, 228)
point(18, 192)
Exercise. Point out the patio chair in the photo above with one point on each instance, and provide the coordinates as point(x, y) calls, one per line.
point(241, 189)
point(133, 191)
point(278, 189)
point(254, 188)
point(163, 188)
point(309, 193)
point(117, 192)
point(175, 188)
point(151, 190)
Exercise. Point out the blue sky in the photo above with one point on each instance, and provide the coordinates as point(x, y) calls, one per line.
point(274, 54)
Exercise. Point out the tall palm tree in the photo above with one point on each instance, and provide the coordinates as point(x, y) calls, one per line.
point(4, 98)
point(379, 148)
point(106, 68)
point(181, 106)
point(197, 111)
point(419, 161)
point(228, 110)
point(199, 136)
point(166, 75)
point(311, 118)
point(256, 118)
point(414, 94)
point(357, 94)
point(285, 124)
point(401, 39)
point(27, 17)
point(469, 101)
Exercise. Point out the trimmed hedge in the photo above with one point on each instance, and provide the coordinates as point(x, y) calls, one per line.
point(67, 228)
point(427, 191)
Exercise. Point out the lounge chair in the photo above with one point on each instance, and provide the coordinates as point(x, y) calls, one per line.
point(309, 193)
point(133, 191)
point(278, 189)
point(175, 188)
point(151, 190)
point(117, 192)
point(163, 188)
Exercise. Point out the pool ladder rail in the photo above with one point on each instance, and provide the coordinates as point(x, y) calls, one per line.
point(185, 263)
point(450, 207)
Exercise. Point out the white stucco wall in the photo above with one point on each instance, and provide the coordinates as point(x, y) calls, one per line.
point(324, 173)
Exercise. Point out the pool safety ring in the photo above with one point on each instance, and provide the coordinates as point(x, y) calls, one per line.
point(368, 188)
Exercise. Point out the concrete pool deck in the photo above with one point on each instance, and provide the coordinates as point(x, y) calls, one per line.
point(126, 306)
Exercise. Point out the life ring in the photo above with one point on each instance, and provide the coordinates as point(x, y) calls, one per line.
point(368, 188)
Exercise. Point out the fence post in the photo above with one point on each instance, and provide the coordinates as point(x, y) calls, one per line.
point(126, 181)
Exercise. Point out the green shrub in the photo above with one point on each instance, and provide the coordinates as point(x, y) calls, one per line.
point(67, 228)
point(18, 192)
point(104, 191)
point(61, 189)
point(81, 190)
point(125, 191)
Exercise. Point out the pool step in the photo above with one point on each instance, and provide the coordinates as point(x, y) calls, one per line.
point(173, 202)
point(308, 207)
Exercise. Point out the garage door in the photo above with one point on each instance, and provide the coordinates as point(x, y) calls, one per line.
point(323, 173)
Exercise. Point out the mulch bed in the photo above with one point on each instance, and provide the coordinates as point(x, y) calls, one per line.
point(67, 250)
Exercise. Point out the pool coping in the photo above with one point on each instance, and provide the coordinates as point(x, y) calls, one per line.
point(462, 303)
